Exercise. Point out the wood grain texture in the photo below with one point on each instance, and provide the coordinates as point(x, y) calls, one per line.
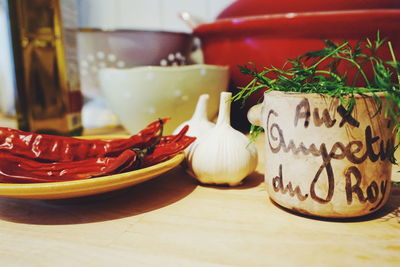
point(173, 221)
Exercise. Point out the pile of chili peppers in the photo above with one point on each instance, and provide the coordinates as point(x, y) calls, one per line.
point(35, 158)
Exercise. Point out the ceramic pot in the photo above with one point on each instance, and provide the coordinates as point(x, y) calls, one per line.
point(243, 8)
point(321, 160)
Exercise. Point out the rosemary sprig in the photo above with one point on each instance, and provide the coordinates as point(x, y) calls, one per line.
point(322, 72)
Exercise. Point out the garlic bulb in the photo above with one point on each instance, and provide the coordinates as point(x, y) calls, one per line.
point(223, 155)
point(199, 123)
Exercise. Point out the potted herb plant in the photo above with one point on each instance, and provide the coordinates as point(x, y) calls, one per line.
point(329, 142)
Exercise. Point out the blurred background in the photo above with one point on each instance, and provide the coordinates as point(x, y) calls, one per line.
point(103, 19)
point(146, 14)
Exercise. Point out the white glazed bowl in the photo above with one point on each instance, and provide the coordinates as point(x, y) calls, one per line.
point(144, 94)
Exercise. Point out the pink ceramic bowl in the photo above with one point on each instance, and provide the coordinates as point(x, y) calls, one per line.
point(270, 40)
point(98, 49)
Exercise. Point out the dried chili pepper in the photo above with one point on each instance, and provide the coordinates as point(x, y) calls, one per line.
point(19, 169)
point(15, 169)
point(168, 147)
point(59, 148)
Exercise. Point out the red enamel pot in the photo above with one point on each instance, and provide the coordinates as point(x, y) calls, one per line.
point(269, 40)
point(241, 8)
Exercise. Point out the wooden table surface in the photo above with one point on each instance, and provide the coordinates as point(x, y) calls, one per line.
point(173, 221)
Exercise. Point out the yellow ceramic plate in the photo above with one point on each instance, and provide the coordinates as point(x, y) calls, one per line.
point(80, 188)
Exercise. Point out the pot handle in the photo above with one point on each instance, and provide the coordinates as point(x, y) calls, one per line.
point(190, 20)
point(254, 114)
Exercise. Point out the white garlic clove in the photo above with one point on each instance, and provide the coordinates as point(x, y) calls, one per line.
point(223, 155)
point(199, 123)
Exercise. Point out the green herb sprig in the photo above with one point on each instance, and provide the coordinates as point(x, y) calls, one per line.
point(320, 72)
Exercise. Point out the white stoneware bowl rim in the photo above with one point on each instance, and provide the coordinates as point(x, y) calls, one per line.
point(168, 68)
point(130, 30)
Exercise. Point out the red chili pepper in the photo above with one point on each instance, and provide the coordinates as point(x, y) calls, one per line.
point(15, 169)
point(59, 148)
point(168, 147)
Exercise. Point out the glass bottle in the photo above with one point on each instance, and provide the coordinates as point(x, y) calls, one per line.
point(48, 98)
